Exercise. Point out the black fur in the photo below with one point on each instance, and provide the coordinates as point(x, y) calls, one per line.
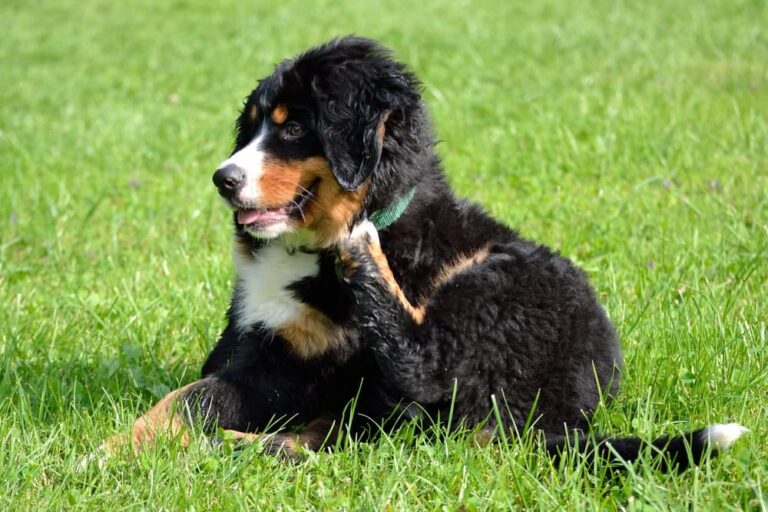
point(521, 328)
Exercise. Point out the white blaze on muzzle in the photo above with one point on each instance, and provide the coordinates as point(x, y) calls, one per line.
point(251, 160)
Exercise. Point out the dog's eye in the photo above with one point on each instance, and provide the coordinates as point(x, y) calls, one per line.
point(293, 131)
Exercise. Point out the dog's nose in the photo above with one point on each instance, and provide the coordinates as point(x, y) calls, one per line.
point(229, 179)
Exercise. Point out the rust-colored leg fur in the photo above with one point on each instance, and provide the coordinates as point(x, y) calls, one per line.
point(164, 419)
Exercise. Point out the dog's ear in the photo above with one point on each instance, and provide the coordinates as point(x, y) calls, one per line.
point(352, 137)
point(356, 85)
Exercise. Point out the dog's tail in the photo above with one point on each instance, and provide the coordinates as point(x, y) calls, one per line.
point(675, 453)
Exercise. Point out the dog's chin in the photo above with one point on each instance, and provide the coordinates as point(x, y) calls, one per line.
point(287, 235)
point(269, 231)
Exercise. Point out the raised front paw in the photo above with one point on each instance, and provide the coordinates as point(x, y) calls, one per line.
point(362, 234)
point(355, 251)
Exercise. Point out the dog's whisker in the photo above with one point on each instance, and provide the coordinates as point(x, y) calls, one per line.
point(301, 211)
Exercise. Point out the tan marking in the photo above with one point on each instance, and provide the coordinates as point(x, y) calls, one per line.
point(280, 114)
point(347, 261)
point(311, 333)
point(253, 113)
point(162, 420)
point(416, 313)
point(286, 444)
point(329, 213)
point(459, 265)
point(281, 182)
point(332, 210)
point(381, 129)
point(247, 437)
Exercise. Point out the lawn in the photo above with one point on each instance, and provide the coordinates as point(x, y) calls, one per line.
point(631, 136)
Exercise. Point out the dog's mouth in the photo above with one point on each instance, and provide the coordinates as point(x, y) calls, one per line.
point(295, 209)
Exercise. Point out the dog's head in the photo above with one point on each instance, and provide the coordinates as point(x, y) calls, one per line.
point(320, 139)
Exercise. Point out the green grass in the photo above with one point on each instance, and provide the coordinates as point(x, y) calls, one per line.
point(632, 136)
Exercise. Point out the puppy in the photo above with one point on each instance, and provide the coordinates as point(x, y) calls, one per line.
point(361, 277)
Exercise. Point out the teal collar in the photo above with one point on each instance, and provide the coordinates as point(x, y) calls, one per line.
point(387, 216)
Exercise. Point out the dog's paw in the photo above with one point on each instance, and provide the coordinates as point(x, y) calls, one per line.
point(354, 250)
point(362, 234)
point(284, 447)
point(104, 452)
point(279, 445)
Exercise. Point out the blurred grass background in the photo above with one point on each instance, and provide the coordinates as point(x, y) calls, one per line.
point(631, 136)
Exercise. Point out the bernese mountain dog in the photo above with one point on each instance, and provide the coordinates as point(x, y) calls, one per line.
point(362, 279)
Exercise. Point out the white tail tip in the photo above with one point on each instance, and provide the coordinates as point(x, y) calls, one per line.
point(723, 435)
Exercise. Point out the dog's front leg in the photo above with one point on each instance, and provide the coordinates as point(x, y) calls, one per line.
point(172, 416)
point(313, 436)
point(363, 266)
point(400, 335)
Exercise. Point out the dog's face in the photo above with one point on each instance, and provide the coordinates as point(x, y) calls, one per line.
point(279, 179)
point(309, 139)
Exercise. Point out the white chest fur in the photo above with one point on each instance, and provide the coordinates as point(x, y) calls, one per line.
point(263, 281)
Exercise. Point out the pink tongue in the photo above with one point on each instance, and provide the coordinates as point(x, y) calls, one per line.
point(246, 217)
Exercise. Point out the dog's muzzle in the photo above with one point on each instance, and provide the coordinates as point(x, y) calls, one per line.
point(229, 180)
